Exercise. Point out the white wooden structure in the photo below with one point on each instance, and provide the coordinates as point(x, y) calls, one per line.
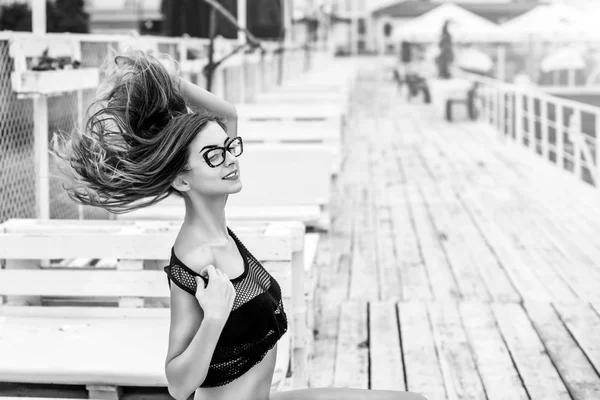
point(328, 114)
point(26, 50)
point(123, 343)
point(280, 182)
point(522, 114)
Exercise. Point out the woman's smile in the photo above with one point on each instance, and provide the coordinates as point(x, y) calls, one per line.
point(233, 175)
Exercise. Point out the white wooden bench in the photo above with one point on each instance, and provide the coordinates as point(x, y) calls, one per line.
point(286, 133)
point(107, 347)
point(26, 50)
point(328, 115)
point(280, 182)
point(294, 98)
point(290, 133)
point(311, 85)
point(331, 75)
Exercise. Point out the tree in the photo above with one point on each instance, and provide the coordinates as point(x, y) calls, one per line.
point(15, 17)
point(61, 16)
point(69, 16)
point(192, 17)
point(446, 56)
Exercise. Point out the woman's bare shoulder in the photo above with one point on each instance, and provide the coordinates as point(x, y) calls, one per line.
point(194, 255)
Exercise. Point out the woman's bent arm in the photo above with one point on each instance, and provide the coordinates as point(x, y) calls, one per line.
point(197, 96)
point(192, 342)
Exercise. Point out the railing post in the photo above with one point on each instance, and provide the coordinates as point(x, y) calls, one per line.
point(183, 57)
point(40, 134)
point(498, 119)
point(510, 113)
point(491, 103)
point(80, 111)
point(575, 137)
point(531, 122)
point(597, 147)
point(519, 117)
point(502, 114)
point(560, 146)
point(241, 17)
point(544, 127)
point(486, 100)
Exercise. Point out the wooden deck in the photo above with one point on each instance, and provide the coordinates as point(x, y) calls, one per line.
point(458, 266)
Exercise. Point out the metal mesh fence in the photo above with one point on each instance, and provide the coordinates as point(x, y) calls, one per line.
point(65, 113)
point(17, 162)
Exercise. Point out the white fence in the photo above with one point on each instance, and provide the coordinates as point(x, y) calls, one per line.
point(238, 79)
point(562, 131)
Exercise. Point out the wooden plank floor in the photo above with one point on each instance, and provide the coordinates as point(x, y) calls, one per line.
point(457, 266)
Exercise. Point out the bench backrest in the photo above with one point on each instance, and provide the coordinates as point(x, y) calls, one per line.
point(294, 174)
point(301, 97)
point(306, 86)
point(272, 175)
point(327, 114)
point(23, 243)
point(281, 132)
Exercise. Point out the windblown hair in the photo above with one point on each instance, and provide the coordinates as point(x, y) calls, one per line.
point(135, 141)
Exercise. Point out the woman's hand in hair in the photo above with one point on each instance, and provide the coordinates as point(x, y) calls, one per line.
point(216, 299)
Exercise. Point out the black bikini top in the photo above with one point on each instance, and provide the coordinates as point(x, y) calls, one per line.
point(256, 322)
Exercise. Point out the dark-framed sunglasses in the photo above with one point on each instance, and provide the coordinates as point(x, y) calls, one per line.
point(216, 156)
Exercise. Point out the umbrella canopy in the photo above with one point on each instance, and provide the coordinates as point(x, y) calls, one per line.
point(567, 58)
point(465, 26)
point(474, 60)
point(553, 21)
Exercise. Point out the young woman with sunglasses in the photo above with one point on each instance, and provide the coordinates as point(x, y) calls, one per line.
point(150, 136)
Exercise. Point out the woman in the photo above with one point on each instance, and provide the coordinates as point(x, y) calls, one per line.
point(142, 144)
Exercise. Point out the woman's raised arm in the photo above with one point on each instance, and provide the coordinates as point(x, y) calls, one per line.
point(197, 96)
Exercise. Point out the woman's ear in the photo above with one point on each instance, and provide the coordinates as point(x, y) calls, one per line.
point(180, 184)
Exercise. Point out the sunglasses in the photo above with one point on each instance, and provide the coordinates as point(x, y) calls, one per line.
point(216, 156)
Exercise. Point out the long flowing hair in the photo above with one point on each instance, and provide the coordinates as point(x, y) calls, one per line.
point(136, 139)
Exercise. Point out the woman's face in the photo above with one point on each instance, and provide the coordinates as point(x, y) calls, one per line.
point(224, 176)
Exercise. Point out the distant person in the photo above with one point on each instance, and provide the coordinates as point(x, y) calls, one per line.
point(404, 64)
point(148, 138)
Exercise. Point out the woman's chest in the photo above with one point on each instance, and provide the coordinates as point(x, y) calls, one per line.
point(255, 313)
point(231, 263)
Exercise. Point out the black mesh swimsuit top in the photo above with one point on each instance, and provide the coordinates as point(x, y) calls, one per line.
point(256, 322)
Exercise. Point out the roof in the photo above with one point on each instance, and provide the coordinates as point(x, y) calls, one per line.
point(491, 11)
point(552, 21)
point(465, 24)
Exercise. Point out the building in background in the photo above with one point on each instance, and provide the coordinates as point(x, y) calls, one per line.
point(348, 33)
point(124, 16)
point(173, 18)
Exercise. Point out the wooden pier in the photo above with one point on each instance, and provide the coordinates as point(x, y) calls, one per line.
point(458, 266)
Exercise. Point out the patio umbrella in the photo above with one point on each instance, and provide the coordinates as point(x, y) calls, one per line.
point(554, 21)
point(474, 60)
point(567, 58)
point(465, 26)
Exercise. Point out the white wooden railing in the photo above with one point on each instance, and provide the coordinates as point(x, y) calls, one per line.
point(237, 80)
point(562, 131)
